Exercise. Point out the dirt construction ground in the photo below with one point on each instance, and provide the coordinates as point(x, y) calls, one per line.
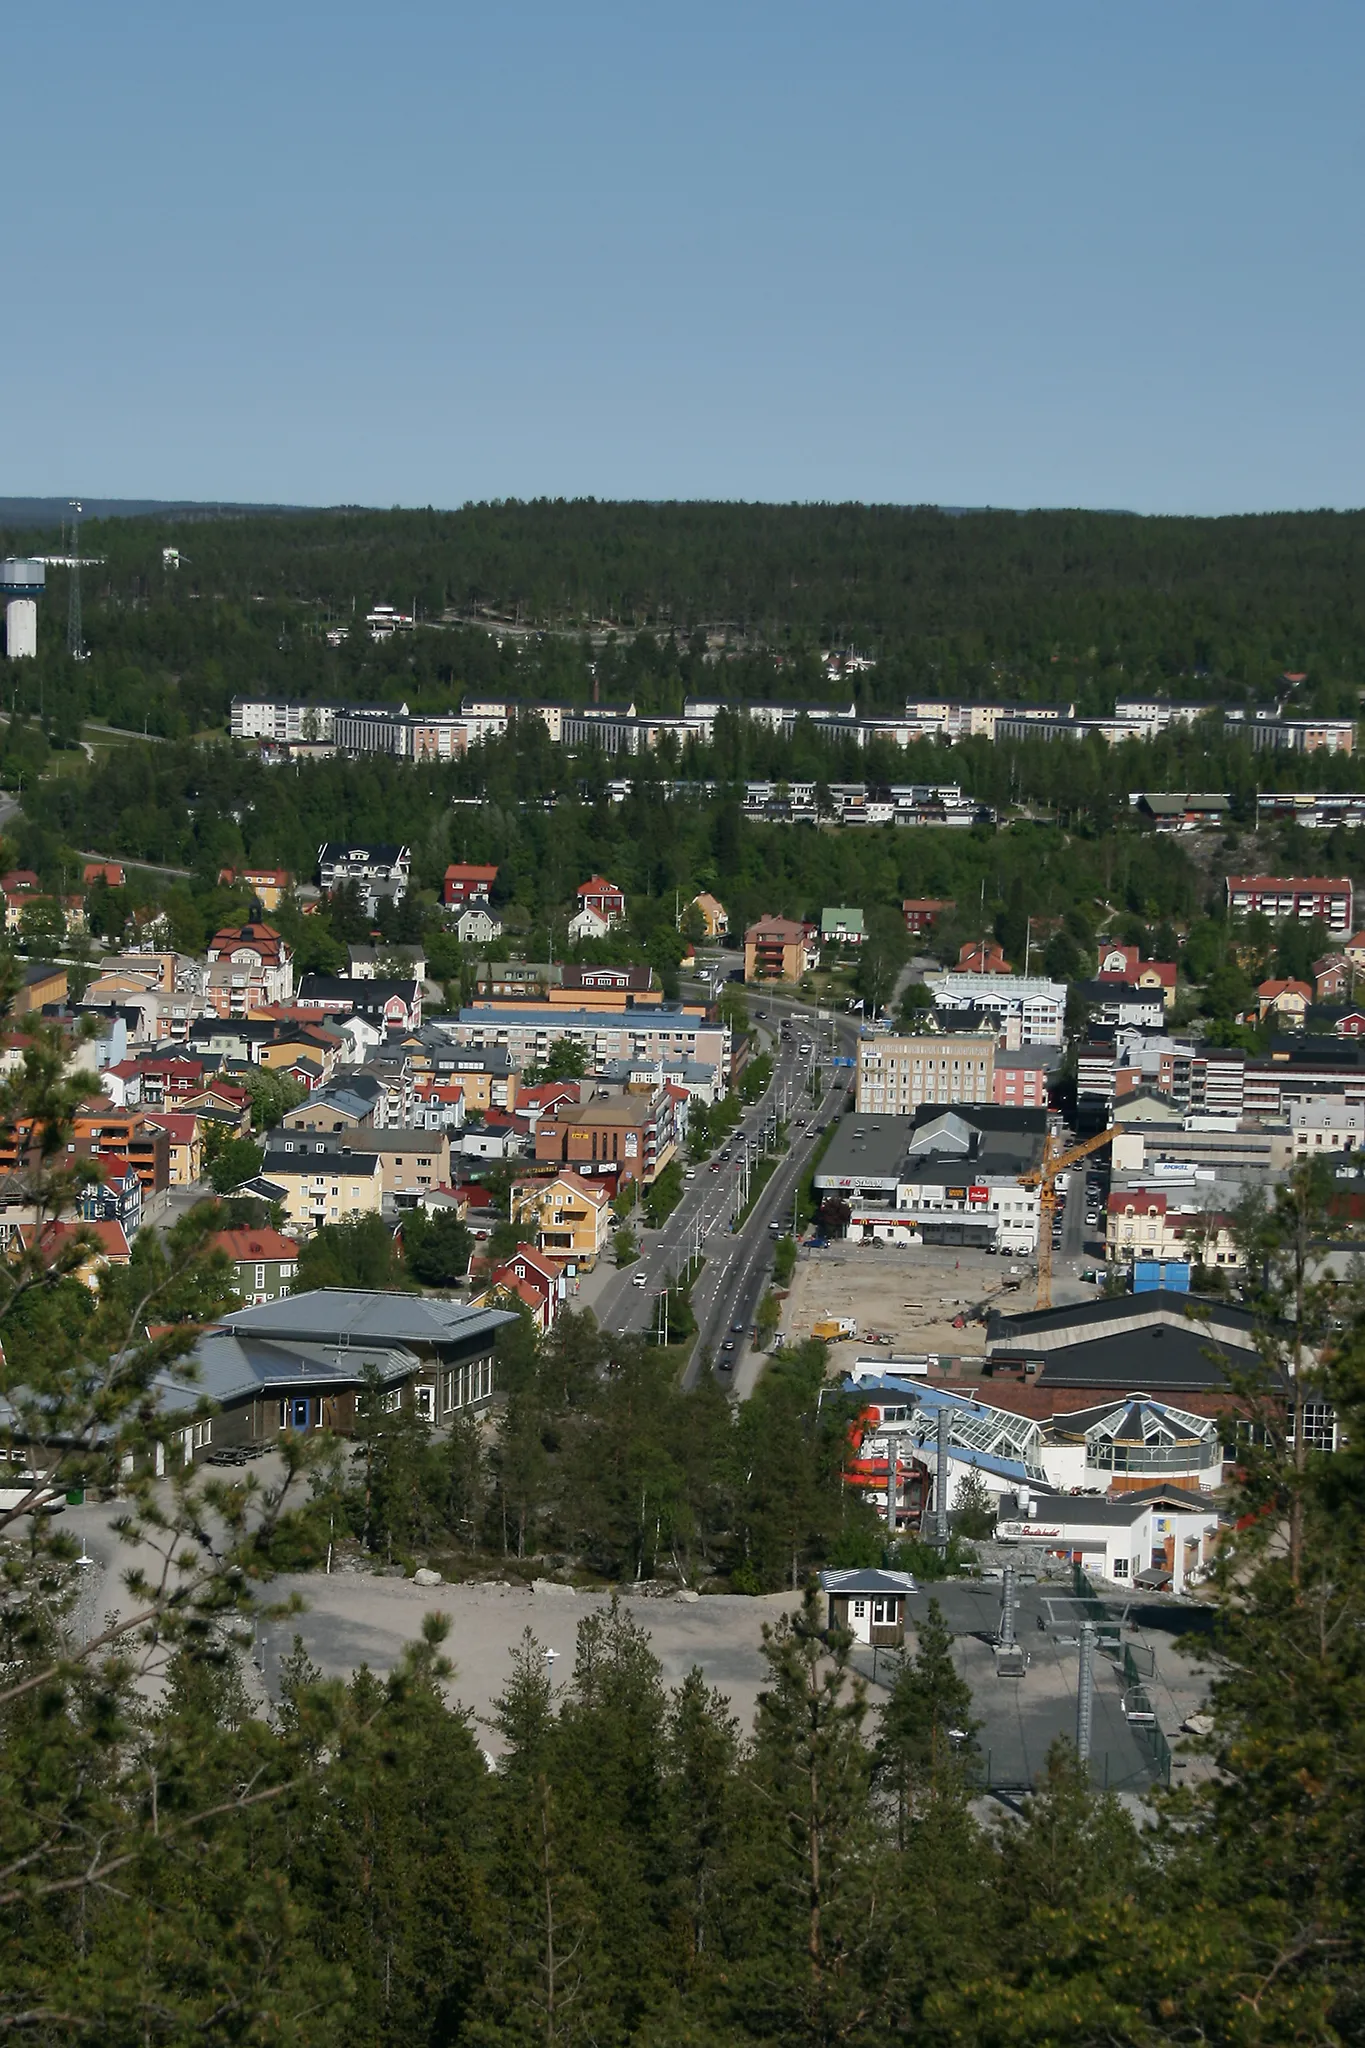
point(907, 1293)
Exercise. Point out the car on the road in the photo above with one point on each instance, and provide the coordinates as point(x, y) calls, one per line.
point(736, 1329)
point(715, 1166)
point(638, 1280)
point(691, 1173)
point(729, 1345)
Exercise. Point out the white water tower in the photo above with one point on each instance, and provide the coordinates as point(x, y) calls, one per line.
point(21, 585)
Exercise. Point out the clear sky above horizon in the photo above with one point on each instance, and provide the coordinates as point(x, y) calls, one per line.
point(969, 253)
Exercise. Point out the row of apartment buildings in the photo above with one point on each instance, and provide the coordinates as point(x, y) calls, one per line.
point(396, 730)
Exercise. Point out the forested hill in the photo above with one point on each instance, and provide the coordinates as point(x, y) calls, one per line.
point(1036, 604)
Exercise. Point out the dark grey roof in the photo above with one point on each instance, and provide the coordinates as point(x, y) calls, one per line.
point(1117, 1512)
point(1163, 1358)
point(1046, 1330)
point(345, 988)
point(1128, 1421)
point(356, 1316)
point(868, 1580)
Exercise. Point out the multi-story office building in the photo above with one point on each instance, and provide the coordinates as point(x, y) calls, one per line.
point(898, 1073)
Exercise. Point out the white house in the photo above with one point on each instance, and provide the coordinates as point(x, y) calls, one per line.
point(588, 923)
point(476, 925)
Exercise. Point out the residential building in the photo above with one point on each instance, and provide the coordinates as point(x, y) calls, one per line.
point(316, 1181)
point(110, 872)
point(1326, 1123)
point(1183, 810)
point(249, 967)
point(1125, 964)
point(982, 956)
point(392, 963)
point(467, 882)
point(1305, 897)
point(1028, 1009)
point(607, 987)
point(390, 1005)
point(663, 1032)
point(185, 1145)
point(1316, 810)
point(1149, 1223)
point(1022, 1077)
point(476, 925)
point(922, 913)
point(1333, 978)
point(378, 873)
point(124, 1139)
point(842, 926)
point(1118, 1002)
point(898, 1072)
point(39, 985)
point(1287, 1000)
point(531, 1279)
point(631, 1137)
point(715, 917)
point(778, 949)
point(1304, 735)
point(115, 1198)
point(410, 1162)
point(269, 886)
point(266, 1262)
point(588, 924)
point(347, 1104)
point(604, 897)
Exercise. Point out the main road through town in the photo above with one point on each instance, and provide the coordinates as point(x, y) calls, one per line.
point(726, 1295)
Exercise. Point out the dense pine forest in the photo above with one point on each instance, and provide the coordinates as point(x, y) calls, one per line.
point(663, 599)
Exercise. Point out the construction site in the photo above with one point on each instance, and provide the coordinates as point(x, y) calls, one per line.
point(911, 1299)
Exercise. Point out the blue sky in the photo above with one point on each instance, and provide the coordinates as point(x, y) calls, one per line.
point(962, 252)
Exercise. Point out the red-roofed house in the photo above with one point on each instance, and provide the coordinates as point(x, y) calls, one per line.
point(250, 966)
point(983, 956)
point(921, 913)
point(467, 882)
point(1288, 1000)
point(268, 885)
point(266, 1262)
point(572, 1217)
point(1332, 977)
point(1124, 964)
point(112, 1247)
point(535, 1280)
point(602, 896)
point(110, 872)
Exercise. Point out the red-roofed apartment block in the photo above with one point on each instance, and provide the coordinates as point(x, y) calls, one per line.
point(1305, 897)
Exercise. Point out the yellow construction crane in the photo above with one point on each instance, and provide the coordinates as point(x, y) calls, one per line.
point(1044, 1178)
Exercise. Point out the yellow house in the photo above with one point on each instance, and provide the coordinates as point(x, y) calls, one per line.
point(714, 916)
point(318, 1188)
point(573, 1218)
point(185, 1141)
